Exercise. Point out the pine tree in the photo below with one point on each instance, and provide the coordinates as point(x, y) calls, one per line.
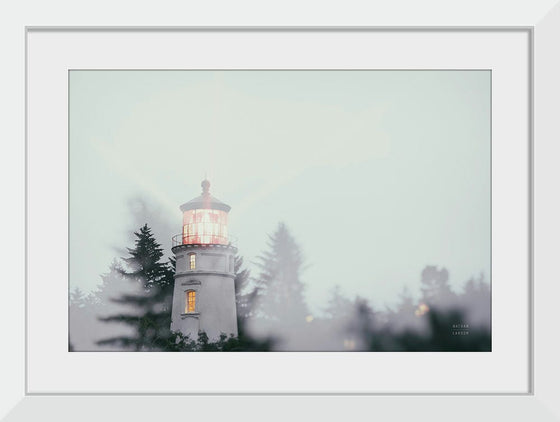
point(405, 317)
point(475, 301)
point(112, 285)
point(150, 305)
point(436, 291)
point(244, 300)
point(81, 319)
point(144, 260)
point(77, 298)
point(245, 304)
point(362, 323)
point(280, 290)
point(339, 307)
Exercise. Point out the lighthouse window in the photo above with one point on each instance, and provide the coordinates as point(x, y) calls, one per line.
point(192, 261)
point(205, 226)
point(191, 302)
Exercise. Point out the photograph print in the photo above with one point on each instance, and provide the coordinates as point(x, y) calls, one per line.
point(280, 210)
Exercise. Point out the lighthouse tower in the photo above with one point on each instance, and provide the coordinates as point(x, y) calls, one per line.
point(204, 293)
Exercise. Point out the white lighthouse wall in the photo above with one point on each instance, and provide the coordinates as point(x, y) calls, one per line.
point(213, 282)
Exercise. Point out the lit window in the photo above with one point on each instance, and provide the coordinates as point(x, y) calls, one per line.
point(192, 261)
point(191, 302)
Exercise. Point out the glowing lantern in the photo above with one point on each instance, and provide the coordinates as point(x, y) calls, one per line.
point(205, 219)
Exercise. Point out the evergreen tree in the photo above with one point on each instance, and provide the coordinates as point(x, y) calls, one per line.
point(339, 307)
point(244, 300)
point(362, 323)
point(77, 298)
point(406, 302)
point(475, 301)
point(405, 316)
point(436, 291)
point(150, 314)
point(245, 304)
point(81, 317)
point(145, 260)
point(280, 290)
point(112, 285)
point(85, 310)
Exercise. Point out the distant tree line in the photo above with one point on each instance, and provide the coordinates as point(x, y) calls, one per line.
point(134, 300)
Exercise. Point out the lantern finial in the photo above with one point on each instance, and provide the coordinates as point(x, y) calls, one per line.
point(205, 186)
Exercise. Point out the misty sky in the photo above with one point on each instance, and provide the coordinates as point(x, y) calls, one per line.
point(376, 173)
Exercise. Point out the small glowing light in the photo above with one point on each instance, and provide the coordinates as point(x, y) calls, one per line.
point(422, 309)
point(349, 344)
point(309, 318)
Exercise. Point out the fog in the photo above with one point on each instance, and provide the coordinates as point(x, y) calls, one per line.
point(387, 170)
point(377, 174)
point(283, 320)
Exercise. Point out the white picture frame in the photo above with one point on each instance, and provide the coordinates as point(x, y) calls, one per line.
point(537, 403)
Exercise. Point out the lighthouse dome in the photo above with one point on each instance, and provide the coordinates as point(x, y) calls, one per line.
point(205, 201)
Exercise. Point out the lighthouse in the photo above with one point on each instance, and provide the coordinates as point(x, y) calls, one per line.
point(204, 291)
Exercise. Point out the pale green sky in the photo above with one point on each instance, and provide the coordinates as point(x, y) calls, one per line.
point(376, 173)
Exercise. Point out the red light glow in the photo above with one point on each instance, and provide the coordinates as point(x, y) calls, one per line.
point(205, 226)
